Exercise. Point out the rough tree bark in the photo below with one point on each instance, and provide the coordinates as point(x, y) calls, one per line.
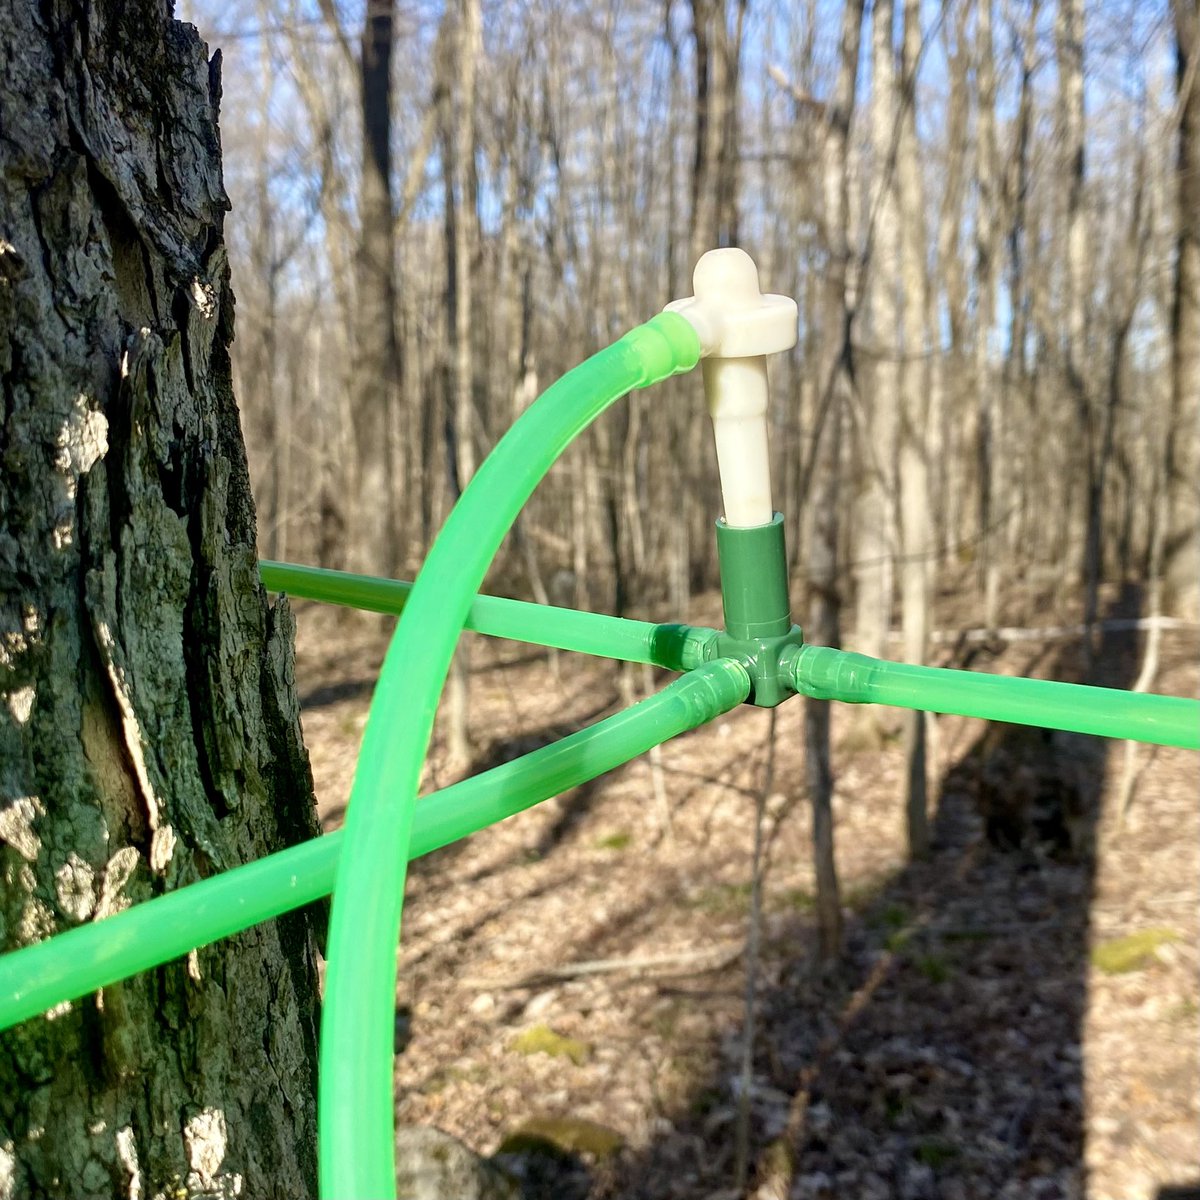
point(149, 734)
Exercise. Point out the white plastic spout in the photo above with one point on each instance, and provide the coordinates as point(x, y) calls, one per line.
point(738, 326)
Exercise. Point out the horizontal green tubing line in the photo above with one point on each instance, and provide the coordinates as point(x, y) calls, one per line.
point(675, 647)
point(92, 956)
point(828, 674)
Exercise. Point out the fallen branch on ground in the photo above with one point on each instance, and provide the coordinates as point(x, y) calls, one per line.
point(721, 956)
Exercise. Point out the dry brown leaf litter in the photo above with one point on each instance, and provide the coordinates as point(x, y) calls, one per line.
point(967, 1045)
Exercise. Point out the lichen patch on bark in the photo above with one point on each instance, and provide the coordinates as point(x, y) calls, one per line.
point(205, 1137)
point(20, 703)
point(17, 826)
point(75, 887)
point(127, 1153)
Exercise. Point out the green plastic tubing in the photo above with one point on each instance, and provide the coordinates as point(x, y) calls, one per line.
point(357, 1158)
point(829, 674)
point(675, 647)
point(103, 952)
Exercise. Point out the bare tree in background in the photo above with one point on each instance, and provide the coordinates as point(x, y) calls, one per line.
point(717, 42)
point(458, 170)
point(875, 515)
point(1068, 44)
point(1183, 554)
point(375, 377)
point(990, 413)
point(837, 372)
point(916, 539)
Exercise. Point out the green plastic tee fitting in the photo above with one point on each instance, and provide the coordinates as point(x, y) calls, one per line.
point(758, 618)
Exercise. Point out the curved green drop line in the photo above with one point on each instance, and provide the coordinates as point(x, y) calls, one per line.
point(355, 1109)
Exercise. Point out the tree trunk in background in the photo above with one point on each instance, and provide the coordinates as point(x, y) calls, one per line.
point(460, 144)
point(1182, 570)
point(458, 152)
point(1015, 377)
point(1127, 262)
point(376, 368)
point(1068, 33)
point(875, 518)
point(716, 151)
point(949, 386)
point(915, 533)
point(824, 594)
point(990, 453)
point(333, 374)
point(707, 130)
point(729, 162)
point(150, 733)
point(261, 323)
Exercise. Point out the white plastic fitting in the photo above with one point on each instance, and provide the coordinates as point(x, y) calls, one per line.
point(738, 326)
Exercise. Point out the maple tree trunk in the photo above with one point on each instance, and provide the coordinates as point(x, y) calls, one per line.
point(149, 734)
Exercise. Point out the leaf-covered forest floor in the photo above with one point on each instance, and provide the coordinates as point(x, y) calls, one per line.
point(1019, 1022)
